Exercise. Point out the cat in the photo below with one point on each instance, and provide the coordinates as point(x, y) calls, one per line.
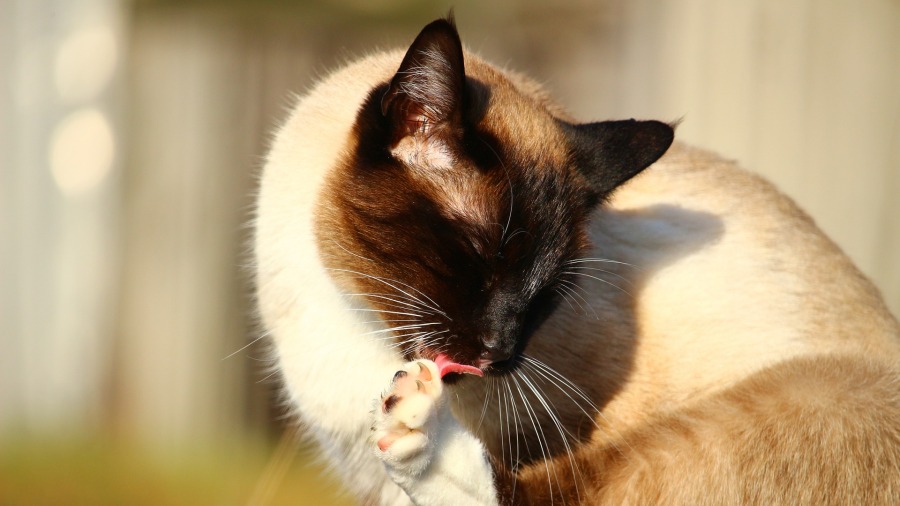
point(475, 299)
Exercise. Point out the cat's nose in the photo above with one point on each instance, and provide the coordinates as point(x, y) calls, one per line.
point(495, 353)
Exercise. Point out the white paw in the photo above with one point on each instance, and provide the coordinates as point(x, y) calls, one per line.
point(407, 417)
point(424, 449)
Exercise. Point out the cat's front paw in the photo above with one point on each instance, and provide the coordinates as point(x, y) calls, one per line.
point(406, 417)
point(424, 449)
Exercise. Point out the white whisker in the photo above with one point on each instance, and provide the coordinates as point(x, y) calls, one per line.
point(600, 280)
point(566, 298)
point(517, 232)
point(605, 271)
point(600, 260)
point(502, 423)
point(543, 444)
point(484, 405)
point(402, 302)
point(568, 292)
point(389, 282)
point(392, 321)
point(244, 347)
point(539, 366)
point(382, 311)
point(520, 435)
point(576, 472)
point(420, 335)
point(352, 253)
point(401, 327)
point(573, 287)
point(511, 194)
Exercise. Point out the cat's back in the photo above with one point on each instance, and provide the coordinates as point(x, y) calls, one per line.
point(761, 364)
point(729, 277)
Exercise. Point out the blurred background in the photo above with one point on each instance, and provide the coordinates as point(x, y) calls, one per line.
point(132, 133)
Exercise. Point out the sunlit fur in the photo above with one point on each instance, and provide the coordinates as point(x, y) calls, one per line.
point(711, 346)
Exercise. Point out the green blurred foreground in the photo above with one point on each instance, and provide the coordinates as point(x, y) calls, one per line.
point(99, 472)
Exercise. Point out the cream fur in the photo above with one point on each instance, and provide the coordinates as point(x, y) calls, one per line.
point(319, 343)
point(700, 319)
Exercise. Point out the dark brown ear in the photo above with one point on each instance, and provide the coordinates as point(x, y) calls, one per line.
point(427, 90)
point(612, 152)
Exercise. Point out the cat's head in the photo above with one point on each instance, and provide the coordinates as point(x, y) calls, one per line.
point(463, 198)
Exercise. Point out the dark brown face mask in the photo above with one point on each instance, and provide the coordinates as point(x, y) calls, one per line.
point(475, 289)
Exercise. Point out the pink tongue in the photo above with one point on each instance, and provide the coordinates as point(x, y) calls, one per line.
point(446, 366)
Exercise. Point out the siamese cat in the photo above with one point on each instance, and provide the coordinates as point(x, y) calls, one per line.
point(475, 299)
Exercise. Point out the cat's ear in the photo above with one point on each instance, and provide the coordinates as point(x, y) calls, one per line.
point(612, 152)
point(426, 93)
